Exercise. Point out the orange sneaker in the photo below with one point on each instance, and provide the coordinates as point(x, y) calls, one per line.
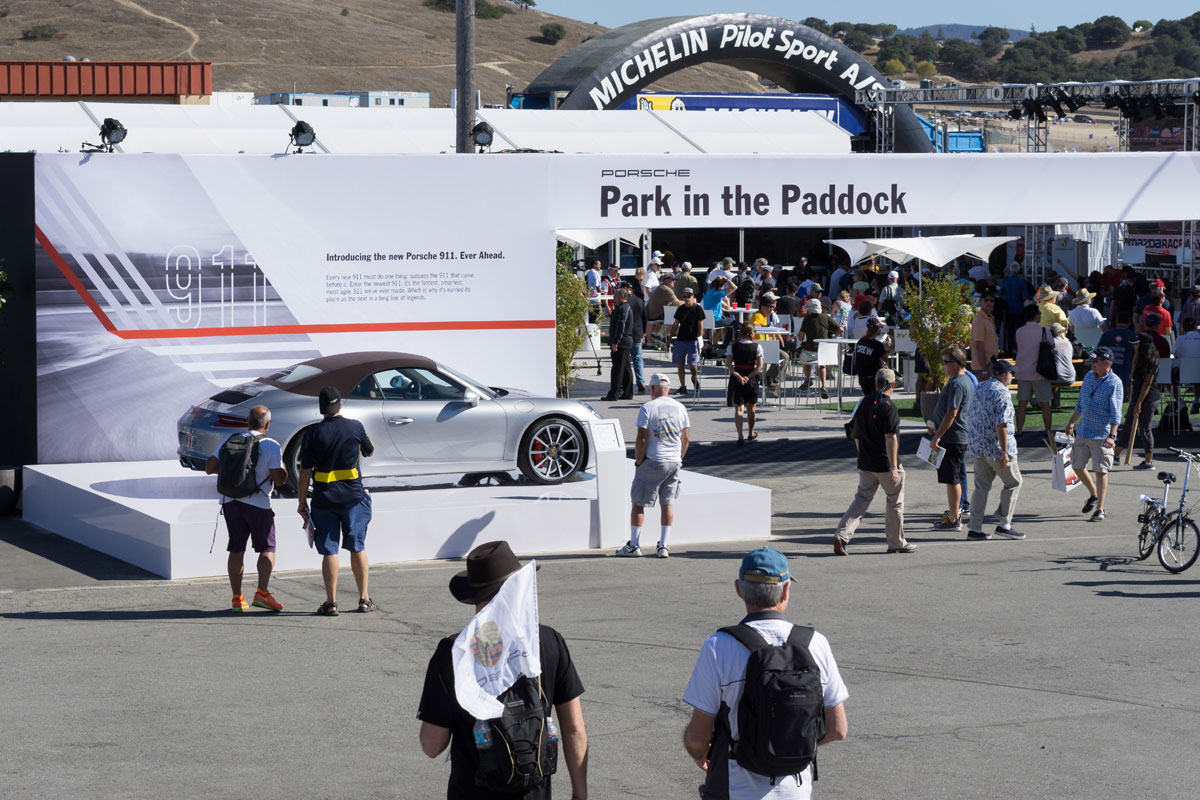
point(265, 600)
point(239, 604)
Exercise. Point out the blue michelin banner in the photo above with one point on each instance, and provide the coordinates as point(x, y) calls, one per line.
point(839, 111)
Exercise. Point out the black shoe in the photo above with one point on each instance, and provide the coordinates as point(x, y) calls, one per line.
point(1090, 504)
point(641, 389)
point(680, 390)
point(608, 398)
point(908, 548)
point(626, 397)
point(1098, 516)
point(1009, 533)
point(978, 535)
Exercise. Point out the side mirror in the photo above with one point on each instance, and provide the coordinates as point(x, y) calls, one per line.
point(471, 398)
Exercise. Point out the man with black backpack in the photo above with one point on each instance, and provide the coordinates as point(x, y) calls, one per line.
point(764, 694)
point(246, 465)
point(479, 768)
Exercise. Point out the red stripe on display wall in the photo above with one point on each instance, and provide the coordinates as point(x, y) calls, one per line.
point(69, 274)
point(277, 330)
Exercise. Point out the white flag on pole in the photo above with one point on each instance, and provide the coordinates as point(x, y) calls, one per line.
point(499, 644)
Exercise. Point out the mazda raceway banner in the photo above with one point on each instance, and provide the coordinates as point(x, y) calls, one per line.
point(163, 278)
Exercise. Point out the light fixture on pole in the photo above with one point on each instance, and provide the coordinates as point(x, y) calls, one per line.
point(302, 135)
point(482, 135)
point(112, 132)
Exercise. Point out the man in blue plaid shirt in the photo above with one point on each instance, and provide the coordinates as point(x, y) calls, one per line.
point(990, 441)
point(1098, 412)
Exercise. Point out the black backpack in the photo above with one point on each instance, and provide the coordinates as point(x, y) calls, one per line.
point(781, 713)
point(522, 754)
point(238, 459)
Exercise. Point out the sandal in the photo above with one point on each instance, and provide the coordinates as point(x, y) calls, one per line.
point(365, 605)
point(327, 609)
point(752, 436)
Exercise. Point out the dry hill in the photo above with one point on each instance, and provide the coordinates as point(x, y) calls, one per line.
point(321, 45)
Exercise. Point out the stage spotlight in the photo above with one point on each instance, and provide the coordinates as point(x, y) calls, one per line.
point(1033, 109)
point(1072, 102)
point(1111, 101)
point(1055, 103)
point(302, 135)
point(1156, 107)
point(482, 135)
point(1172, 108)
point(1015, 113)
point(112, 132)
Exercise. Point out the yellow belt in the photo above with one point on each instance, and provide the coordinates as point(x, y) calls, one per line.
point(336, 475)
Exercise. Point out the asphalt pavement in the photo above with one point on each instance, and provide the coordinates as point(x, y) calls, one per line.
point(1058, 666)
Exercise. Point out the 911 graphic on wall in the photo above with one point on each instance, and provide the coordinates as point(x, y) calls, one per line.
point(423, 417)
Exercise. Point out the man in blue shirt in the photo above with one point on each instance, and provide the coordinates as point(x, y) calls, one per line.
point(1015, 292)
point(990, 442)
point(1121, 341)
point(1098, 412)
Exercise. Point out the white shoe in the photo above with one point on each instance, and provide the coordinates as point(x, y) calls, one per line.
point(663, 552)
point(630, 550)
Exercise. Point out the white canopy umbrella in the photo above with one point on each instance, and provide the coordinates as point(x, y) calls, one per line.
point(592, 238)
point(857, 249)
point(937, 250)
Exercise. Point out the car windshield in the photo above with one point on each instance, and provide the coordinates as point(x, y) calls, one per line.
point(474, 384)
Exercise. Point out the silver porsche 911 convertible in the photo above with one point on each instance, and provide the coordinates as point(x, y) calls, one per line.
point(423, 417)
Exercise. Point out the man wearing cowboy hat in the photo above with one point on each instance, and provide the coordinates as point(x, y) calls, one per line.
point(1083, 315)
point(445, 723)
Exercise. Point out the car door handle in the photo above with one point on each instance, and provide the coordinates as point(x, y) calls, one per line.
point(399, 420)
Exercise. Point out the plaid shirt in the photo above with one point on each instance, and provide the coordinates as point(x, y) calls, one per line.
point(1099, 405)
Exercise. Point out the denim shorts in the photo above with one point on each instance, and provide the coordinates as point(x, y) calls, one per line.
point(349, 521)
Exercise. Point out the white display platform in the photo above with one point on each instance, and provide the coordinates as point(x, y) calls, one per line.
point(157, 516)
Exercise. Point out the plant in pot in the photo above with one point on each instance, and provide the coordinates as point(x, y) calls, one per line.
point(941, 318)
point(571, 305)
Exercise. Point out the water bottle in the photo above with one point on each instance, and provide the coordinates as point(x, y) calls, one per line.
point(483, 735)
point(551, 729)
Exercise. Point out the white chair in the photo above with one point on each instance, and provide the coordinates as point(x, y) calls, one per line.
point(1088, 338)
point(786, 321)
point(903, 341)
point(770, 348)
point(668, 320)
point(1164, 371)
point(829, 355)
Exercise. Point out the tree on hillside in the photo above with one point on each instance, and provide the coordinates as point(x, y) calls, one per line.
point(966, 59)
point(926, 69)
point(842, 27)
point(940, 35)
point(819, 25)
point(859, 41)
point(526, 4)
point(991, 39)
point(898, 47)
point(1108, 31)
point(1142, 25)
point(925, 48)
point(894, 68)
point(553, 32)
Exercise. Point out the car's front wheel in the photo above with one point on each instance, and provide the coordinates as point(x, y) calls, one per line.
point(552, 451)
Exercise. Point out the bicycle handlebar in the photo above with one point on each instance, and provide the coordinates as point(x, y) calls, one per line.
point(1185, 454)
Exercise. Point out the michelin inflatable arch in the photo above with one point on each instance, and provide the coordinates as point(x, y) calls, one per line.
point(605, 71)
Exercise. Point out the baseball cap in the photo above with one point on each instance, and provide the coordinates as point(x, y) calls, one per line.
point(893, 275)
point(726, 261)
point(765, 565)
point(1056, 329)
point(330, 400)
point(873, 323)
point(813, 305)
point(688, 290)
point(656, 260)
point(1102, 352)
point(769, 297)
point(887, 374)
point(1002, 368)
point(686, 266)
point(660, 379)
point(667, 277)
point(657, 254)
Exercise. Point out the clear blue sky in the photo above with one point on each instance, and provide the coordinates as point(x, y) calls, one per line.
point(1015, 14)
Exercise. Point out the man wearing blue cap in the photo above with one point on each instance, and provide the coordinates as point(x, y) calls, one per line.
point(1098, 412)
point(725, 693)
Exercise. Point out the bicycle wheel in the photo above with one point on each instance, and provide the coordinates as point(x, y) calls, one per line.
point(1149, 533)
point(1179, 545)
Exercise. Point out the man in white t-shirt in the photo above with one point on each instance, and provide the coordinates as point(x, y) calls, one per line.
point(1083, 315)
point(718, 678)
point(652, 279)
point(251, 518)
point(662, 440)
point(722, 271)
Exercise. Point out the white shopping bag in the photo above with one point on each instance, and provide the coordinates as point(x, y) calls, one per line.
point(1063, 478)
point(928, 455)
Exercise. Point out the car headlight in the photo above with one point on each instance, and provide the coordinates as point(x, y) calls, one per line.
point(595, 413)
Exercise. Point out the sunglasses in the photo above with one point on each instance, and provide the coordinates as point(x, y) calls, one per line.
point(949, 362)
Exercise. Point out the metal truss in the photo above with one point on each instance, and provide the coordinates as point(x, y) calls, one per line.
point(1016, 92)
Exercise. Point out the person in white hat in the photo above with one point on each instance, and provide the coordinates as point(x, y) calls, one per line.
point(817, 325)
point(663, 430)
point(653, 274)
point(891, 299)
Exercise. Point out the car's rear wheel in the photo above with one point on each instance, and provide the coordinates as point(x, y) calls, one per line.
point(553, 450)
point(291, 465)
point(485, 479)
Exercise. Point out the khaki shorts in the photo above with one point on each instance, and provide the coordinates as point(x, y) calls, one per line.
point(808, 356)
point(1039, 388)
point(1101, 456)
point(654, 481)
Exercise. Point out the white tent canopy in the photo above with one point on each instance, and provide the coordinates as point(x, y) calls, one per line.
point(594, 237)
point(937, 250)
